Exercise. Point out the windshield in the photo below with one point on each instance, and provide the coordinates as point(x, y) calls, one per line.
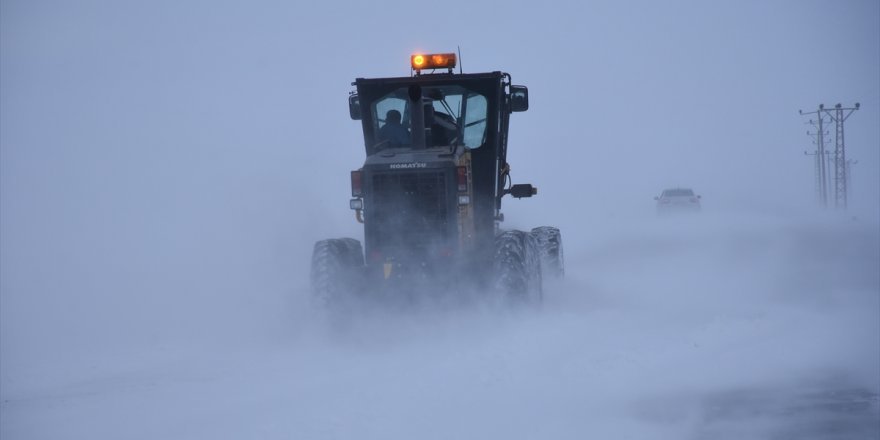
point(459, 118)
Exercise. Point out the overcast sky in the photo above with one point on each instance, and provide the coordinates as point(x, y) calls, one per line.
point(141, 138)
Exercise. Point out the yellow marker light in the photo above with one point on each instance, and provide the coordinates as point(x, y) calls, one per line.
point(433, 61)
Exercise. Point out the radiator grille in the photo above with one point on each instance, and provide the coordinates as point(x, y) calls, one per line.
point(409, 209)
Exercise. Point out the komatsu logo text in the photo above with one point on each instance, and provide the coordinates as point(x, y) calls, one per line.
point(402, 166)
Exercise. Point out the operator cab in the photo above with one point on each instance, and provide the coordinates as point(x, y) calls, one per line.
point(453, 116)
point(455, 110)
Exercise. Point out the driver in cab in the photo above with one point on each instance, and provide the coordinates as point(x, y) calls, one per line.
point(393, 131)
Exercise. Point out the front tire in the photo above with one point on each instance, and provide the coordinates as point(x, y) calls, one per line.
point(517, 267)
point(337, 264)
point(549, 241)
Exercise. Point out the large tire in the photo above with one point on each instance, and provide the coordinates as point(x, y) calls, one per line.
point(336, 265)
point(517, 267)
point(355, 252)
point(549, 241)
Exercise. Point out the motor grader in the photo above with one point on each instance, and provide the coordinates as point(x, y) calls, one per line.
point(429, 194)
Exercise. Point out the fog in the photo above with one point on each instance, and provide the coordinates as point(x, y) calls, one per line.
point(166, 168)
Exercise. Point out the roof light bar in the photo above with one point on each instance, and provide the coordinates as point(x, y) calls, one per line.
point(432, 61)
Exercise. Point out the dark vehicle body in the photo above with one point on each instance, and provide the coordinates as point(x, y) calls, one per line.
point(430, 201)
point(411, 194)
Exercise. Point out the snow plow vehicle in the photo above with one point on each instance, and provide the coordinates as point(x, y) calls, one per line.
point(429, 194)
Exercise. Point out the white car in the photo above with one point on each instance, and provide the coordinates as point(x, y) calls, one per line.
point(677, 200)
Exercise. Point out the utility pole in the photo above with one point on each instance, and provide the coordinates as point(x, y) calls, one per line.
point(840, 165)
point(820, 187)
point(821, 173)
point(837, 115)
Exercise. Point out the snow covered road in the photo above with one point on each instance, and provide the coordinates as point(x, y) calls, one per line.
point(680, 328)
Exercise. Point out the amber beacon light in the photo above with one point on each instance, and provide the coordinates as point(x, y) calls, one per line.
point(433, 61)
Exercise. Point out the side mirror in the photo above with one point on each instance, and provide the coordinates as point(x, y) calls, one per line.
point(521, 190)
point(519, 98)
point(656, 198)
point(354, 107)
point(699, 196)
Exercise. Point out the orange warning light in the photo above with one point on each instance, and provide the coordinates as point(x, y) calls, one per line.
point(433, 61)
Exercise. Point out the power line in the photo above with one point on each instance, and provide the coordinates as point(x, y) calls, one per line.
point(840, 166)
point(837, 115)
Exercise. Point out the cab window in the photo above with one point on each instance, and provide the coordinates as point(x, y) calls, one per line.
point(459, 118)
point(475, 121)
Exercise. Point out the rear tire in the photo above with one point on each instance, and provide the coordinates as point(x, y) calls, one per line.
point(354, 252)
point(549, 242)
point(517, 267)
point(337, 264)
